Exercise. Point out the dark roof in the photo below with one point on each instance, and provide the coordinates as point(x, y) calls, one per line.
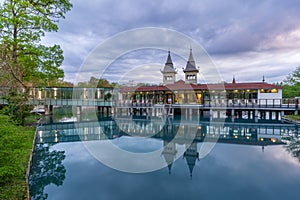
point(169, 67)
point(191, 65)
point(181, 85)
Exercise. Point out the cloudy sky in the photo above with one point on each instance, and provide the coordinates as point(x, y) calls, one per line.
point(245, 39)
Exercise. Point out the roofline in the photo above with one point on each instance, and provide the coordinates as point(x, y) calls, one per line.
point(217, 86)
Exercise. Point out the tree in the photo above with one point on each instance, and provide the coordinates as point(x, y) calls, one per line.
point(23, 24)
point(103, 83)
point(291, 85)
point(24, 60)
point(294, 77)
point(95, 82)
point(107, 96)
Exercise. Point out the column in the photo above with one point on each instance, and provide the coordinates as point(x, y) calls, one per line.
point(46, 107)
point(186, 113)
point(281, 115)
point(232, 115)
point(256, 115)
point(267, 116)
point(277, 115)
point(78, 110)
point(51, 109)
point(210, 112)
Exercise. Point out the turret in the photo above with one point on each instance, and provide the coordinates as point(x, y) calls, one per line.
point(190, 70)
point(169, 71)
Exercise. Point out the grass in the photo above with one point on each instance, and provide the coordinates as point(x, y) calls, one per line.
point(15, 148)
point(294, 117)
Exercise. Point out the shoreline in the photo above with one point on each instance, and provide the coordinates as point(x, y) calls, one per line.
point(30, 160)
point(289, 120)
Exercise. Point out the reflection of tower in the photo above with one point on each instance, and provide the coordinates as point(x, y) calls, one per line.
point(191, 155)
point(169, 153)
point(169, 71)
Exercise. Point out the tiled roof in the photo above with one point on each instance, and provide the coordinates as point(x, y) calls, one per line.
point(181, 85)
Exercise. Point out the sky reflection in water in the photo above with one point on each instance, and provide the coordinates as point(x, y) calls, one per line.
point(230, 171)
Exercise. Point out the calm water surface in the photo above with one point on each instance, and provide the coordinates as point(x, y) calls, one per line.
point(250, 161)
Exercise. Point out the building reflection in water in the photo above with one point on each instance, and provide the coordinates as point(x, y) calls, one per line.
point(169, 153)
point(173, 133)
point(191, 155)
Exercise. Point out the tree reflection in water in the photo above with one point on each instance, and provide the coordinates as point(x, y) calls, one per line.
point(293, 145)
point(46, 168)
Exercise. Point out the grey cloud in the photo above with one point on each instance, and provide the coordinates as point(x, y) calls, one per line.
point(222, 28)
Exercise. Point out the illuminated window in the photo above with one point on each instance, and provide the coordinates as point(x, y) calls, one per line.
point(274, 91)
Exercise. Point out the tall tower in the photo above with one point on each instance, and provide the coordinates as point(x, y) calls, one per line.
point(190, 70)
point(169, 71)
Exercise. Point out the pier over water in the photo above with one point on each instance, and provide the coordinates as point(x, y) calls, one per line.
point(156, 103)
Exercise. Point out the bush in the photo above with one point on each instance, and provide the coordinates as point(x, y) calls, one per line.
point(17, 107)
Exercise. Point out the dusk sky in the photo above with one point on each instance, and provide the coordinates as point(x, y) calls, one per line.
point(245, 39)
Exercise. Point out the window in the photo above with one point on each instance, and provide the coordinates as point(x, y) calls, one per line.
point(268, 91)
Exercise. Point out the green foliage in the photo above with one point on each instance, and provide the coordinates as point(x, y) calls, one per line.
point(15, 143)
point(95, 82)
point(22, 25)
point(294, 77)
point(107, 96)
point(291, 85)
point(291, 91)
point(103, 83)
point(24, 61)
point(294, 117)
point(114, 85)
point(17, 107)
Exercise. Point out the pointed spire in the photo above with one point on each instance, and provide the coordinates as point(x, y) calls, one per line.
point(191, 65)
point(233, 80)
point(170, 168)
point(169, 59)
point(263, 78)
point(191, 58)
point(169, 67)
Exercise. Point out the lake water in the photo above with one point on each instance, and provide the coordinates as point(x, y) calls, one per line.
point(155, 158)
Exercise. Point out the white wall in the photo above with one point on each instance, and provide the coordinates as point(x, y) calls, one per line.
point(270, 96)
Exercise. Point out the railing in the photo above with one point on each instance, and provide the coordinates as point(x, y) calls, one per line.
point(254, 103)
point(66, 102)
point(291, 104)
point(71, 102)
